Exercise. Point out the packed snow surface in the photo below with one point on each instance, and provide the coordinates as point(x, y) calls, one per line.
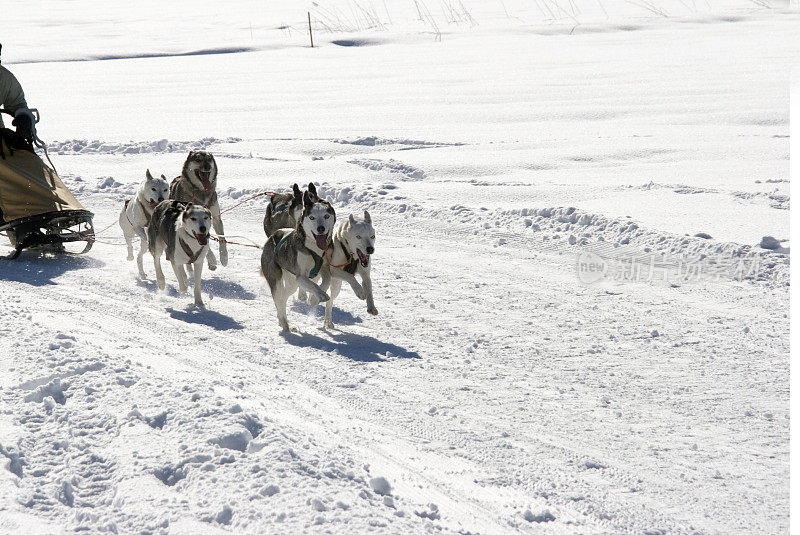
point(581, 271)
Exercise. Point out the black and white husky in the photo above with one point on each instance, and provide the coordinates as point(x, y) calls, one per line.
point(198, 185)
point(180, 230)
point(284, 209)
point(292, 258)
point(137, 212)
point(351, 250)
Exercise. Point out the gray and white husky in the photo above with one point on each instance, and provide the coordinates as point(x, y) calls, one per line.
point(180, 230)
point(198, 185)
point(292, 258)
point(351, 250)
point(137, 212)
point(284, 209)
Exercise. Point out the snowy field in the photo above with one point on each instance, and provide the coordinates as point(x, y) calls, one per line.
point(501, 147)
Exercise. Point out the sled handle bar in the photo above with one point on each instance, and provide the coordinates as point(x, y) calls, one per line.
point(33, 110)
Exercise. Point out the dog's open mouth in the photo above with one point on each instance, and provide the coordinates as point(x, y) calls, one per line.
point(153, 205)
point(202, 239)
point(204, 177)
point(322, 241)
point(364, 258)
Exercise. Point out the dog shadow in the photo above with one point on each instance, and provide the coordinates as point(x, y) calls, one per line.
point(338, 316)
point(39, 269)
point(357, 347)
point(209, 318)
point(227, 289)
point(215, 286)
point(152, 286)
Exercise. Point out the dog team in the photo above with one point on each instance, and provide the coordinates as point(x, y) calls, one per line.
point(306, 251)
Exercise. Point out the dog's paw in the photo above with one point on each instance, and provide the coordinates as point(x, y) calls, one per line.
point(213, 267)
point(290, 329)
point(223, 257)
point(323, 297)
point(200, 304)
point(130, 257)
point(328, 325)
point(162, 285)
point(373, 311)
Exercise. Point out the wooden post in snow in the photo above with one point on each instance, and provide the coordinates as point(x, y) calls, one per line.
point(310, 35)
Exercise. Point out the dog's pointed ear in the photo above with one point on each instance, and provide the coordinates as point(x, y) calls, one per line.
point(367, 217)
point(307, 200)
point(148, 175)
point(296, 189)
point(188, 207)
point(352, 220)
point(312, 189)
point(162, 176)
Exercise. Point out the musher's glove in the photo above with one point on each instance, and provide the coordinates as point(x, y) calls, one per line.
point(25, 123)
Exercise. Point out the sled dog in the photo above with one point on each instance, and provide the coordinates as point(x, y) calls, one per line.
point(291, 258)
point(284, 209)
point(180, 230)
point(137, 212)
point(351, 249)
point(198, 185)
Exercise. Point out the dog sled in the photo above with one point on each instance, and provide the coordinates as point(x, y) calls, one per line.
point(36, 208)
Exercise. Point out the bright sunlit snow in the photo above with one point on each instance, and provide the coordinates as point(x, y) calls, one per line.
point(504, 149)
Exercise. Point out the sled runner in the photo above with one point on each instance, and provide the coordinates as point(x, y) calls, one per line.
point(36, 209)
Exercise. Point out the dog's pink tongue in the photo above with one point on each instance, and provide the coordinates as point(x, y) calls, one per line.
point(322, 241)
point(204, 177)
point(202, 239)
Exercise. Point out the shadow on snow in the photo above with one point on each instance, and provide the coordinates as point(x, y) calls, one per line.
point(339, 316)
point(39, 269)
point(210, 318)
point(215, 286)
point(352, 346)
point(227, 289)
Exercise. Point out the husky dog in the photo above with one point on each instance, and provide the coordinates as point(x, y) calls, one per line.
point(353, 243)
point(291, 258)
point(137, 212)
point(198, 185)
point(284, 209)
point(181, 230)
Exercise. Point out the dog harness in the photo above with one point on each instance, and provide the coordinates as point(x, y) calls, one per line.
point(280, 208)
point(148, 216)
point(317, 258)
point(350, 266)
point(188, 250)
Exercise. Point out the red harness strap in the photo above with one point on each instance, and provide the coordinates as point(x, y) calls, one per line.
point(331, 263)
point(351, 260)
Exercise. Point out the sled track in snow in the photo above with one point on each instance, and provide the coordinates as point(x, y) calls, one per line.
point(146, 55)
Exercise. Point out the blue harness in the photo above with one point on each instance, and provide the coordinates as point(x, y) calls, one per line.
point(317, 258)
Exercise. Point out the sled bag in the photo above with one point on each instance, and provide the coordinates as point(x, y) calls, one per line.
point(28, 187)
